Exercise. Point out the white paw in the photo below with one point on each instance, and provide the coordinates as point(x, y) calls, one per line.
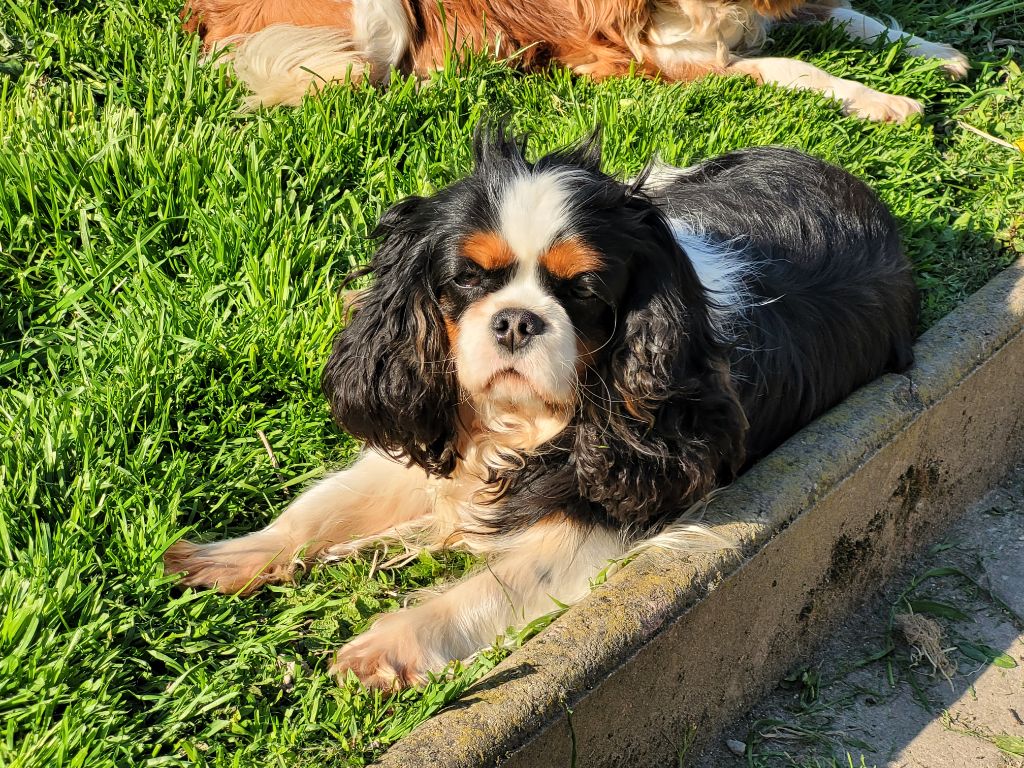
point(388, 656)
point(234, 566)
point(881, 107)
point(954, 62)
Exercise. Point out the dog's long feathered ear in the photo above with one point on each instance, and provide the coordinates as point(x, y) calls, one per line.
point(669, 426)
point(389, 380)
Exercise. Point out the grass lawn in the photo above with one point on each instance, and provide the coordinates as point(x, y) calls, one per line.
point(168, 270)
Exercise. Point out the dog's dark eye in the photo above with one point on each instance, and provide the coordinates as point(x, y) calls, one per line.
point(468, 278)
point(584, 286)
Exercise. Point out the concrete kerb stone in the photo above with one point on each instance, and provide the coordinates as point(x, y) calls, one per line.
point(679, 644)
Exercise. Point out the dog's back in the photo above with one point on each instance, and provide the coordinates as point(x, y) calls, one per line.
point(821, 297)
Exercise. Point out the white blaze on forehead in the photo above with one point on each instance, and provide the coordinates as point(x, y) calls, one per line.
point(534, 209)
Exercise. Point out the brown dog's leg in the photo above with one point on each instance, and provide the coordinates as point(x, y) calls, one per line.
point(858, 26)
point(282, 50)
point(856, 99)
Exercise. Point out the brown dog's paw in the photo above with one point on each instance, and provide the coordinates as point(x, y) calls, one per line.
point(955, 63)
point(882, 107)
point(225, 566)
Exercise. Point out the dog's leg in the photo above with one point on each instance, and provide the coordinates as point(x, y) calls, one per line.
point(688, 63)
point(552, 560)
point(373, 496)
point(856, 99)
point(860, 27)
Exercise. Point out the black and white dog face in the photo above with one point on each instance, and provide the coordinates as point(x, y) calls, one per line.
point(531, 292)
point(526, 291)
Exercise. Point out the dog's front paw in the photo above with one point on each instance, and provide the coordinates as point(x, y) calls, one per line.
point(388, 656)
point(881, 107)
point(955, 63)
point(236, 566)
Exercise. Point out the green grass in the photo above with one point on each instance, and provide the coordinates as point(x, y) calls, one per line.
point(168, 271)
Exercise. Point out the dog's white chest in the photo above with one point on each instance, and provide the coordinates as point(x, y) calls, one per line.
point(699, 23)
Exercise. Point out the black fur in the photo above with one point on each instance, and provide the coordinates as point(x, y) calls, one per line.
point(388, 380)
point(834, 303)
point(670, 406)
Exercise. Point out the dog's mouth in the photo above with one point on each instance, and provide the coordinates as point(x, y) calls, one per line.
point(513, 385)
point(507, 377)
point(516, 389)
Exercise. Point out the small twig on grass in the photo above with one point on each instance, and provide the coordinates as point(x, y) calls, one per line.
point(273, 459)
point(270, 451)
point(373, 564)
point(989, 136)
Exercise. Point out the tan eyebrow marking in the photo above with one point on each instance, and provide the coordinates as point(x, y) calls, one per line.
point(488, 250)
point(571, 257)
point(453, 331)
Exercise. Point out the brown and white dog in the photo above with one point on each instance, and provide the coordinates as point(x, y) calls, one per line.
point(551, 364)
point(285, 48)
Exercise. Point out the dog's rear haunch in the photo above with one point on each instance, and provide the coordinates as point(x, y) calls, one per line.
point(283, 49)
point(551, 365)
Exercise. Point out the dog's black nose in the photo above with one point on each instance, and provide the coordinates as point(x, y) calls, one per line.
point(514, 328)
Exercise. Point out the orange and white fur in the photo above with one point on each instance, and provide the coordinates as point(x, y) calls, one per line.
point(378, 499)
point(283, 49)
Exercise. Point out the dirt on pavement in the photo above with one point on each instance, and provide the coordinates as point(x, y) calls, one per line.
point(929, 673)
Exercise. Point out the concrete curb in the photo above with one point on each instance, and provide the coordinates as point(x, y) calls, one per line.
point(674, 643)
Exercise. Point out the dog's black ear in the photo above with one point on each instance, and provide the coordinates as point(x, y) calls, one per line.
point(389, 379)
point(665, 426)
